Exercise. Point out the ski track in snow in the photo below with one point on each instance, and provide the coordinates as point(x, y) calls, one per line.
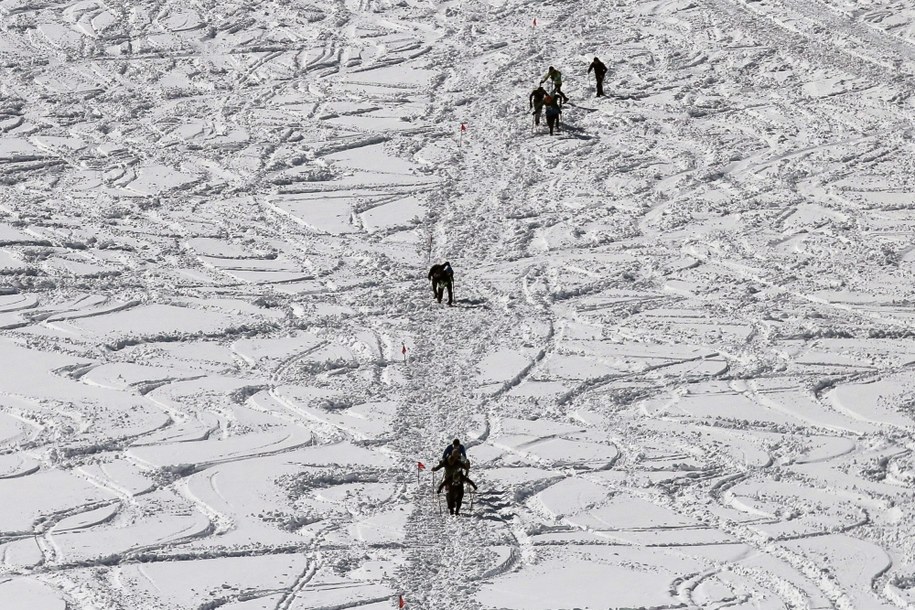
point(681, 356)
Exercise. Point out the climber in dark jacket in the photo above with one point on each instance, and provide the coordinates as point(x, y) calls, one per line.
point(454, 480)
point(600, 70)
point(535, 101)
point(455, 446)
point(442, 277)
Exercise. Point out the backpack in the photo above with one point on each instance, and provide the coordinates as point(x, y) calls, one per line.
point(547, 100)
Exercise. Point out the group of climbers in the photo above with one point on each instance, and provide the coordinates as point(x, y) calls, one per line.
point(454, 459)
point(552, 101)
point(457, 466)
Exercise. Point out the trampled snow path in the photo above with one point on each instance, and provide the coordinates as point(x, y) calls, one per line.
point(681, 356)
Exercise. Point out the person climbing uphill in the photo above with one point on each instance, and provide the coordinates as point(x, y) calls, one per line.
point(442, 277)
point(553, 113)
point(536, 102)
point(454, 480)
point(555, 76)
point(450, 464)
point(600, 70)
point(455, 446)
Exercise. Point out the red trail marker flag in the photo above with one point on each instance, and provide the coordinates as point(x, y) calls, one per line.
point(403, 350)
point(420, 466)
point(535, 22)
point(401, 602)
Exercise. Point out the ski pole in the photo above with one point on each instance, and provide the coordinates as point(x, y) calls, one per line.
point(473, 496)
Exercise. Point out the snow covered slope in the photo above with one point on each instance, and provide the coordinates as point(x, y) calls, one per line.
point(681, 356)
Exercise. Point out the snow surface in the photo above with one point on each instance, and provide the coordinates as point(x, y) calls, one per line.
point(681, 356)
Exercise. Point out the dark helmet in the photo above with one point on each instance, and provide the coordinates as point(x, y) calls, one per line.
point(596, 59)
point(552, 68)
point(456, 443)
point(447, 264)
